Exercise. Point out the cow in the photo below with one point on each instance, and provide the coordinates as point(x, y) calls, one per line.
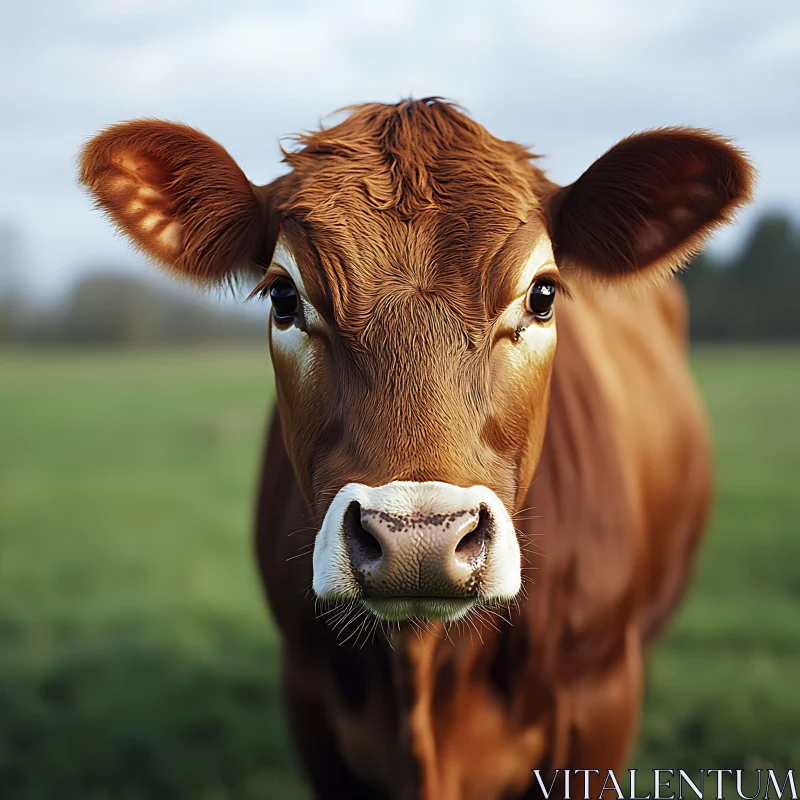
point(470, 537)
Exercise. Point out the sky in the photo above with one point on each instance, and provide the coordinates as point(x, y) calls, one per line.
point(568, 78)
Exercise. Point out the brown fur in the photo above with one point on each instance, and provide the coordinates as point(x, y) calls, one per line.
point(410, 225)
point(605, 564)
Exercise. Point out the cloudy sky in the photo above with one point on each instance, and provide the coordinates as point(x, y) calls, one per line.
point(567, 77)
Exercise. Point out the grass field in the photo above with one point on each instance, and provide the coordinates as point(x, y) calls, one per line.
point(137, 659)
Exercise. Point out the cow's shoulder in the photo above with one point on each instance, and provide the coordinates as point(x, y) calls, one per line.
point(621, 489)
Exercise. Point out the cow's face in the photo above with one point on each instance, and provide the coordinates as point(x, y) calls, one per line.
point(411, 262)
point(413, 408)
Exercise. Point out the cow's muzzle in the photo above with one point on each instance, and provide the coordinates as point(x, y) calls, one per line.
point(411, 549)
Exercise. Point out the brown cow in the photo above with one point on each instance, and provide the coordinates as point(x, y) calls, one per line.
point(494, 531)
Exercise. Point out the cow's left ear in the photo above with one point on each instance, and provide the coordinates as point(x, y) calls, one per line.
point(649, 203)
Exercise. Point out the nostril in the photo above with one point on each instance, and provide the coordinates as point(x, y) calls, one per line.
point(472, 546)
point(364, 547)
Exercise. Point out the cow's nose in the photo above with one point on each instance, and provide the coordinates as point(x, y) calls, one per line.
point(417, 555)
point(424, 550)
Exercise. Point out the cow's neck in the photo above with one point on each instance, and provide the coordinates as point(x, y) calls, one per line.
point(438, 678)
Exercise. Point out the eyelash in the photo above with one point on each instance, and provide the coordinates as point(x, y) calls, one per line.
point(263, 287)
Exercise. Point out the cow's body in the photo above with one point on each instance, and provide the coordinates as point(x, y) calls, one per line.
point(610, 524)
point(443, 456)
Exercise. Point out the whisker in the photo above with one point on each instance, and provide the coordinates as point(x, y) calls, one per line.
point(471, 621)
point(479, 613)
point(355, 630)
point(302, 530)
point(300, 555)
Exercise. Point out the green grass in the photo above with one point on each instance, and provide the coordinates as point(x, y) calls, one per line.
point(137, 659)
point(724, 686)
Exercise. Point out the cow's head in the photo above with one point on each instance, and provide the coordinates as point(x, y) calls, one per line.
point(412, 261)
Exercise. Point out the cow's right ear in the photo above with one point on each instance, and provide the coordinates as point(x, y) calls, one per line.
point(178, 196)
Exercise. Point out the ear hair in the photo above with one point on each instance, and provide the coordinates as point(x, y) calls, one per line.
point(649, 204)
point(178, 196)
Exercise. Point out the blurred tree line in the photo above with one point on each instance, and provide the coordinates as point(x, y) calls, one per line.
point(753, 295)
point(106, 307)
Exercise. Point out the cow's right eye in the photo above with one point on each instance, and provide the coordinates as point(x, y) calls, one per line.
point(285, 303)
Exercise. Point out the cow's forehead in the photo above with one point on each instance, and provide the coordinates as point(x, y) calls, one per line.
point(409, 198)
point(355, 272)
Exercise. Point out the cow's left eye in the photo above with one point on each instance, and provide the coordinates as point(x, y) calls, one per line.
point(284, 300)
point(540, 299)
